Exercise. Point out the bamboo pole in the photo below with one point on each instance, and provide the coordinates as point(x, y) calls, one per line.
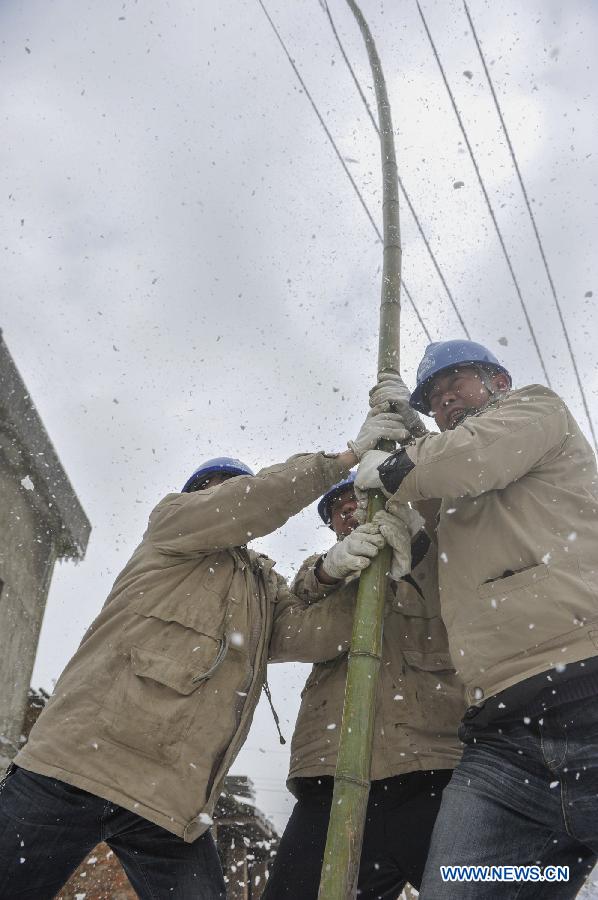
point(352, 777)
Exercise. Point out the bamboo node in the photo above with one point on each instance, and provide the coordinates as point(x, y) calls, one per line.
point(365, 653)
point(351, 780)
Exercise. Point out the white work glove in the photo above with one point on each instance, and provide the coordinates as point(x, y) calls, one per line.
point(379, 425)
point(367, 478)
point(398, 529)
point(354, 553)
point(391, 392)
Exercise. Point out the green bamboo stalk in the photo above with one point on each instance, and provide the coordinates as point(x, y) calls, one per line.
point(352, 777)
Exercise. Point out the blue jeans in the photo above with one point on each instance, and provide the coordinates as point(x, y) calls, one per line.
point(525, 793)
point(48, 827)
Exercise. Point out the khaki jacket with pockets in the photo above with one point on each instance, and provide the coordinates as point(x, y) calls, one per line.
point(158, 699)
point(420, 701)
point(517, 538)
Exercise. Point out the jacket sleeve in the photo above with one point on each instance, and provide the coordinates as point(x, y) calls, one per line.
point(312, 621)
point(489, 451)
point(242, 508)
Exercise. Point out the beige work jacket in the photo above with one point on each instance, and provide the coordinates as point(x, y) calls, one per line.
point(158, 699)
point(517, 538)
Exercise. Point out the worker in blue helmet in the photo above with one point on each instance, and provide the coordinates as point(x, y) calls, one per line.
point(446, 358)
point(455, 379)
point(477, 385)
point(419, 703)
point(335, 492)
point(514, 484)
point(146, 719)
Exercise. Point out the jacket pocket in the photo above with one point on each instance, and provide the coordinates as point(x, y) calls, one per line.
point(428, 660)
point(423, 642)
point(438, 702)
point(519, 608)
point(154, 698)
point(513, 582)
point(169, 672)
point(516, 614)
point(408, 601)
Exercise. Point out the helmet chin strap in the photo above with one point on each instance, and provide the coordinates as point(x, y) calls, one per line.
point(486, 380)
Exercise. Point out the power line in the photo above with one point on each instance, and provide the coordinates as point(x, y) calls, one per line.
point(340, 158)
point(486, 197)
point(534, 226)
point(401, 185)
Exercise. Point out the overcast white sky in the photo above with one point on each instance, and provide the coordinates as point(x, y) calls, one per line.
point(187, 271)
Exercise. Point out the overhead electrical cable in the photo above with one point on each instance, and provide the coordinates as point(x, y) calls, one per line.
point(534, 226)
point(340, 157)
point(486, 197)
point(448, 292)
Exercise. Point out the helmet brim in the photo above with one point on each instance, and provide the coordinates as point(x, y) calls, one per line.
point(202, 474)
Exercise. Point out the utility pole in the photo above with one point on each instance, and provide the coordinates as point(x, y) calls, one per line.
point(352, 777)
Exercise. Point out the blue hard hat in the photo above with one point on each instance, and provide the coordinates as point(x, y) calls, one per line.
point(326, 501)
point(445, 355)
point(219, 464)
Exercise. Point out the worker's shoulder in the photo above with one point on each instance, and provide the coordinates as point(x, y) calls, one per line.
point(170, 498)
point(531, 392)
point(533, 397)
point(173, 499)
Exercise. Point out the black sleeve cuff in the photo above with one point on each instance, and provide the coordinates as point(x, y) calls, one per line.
point(420, 545)
point(394, 469)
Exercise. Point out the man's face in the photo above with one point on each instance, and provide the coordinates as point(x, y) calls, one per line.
point(453, 393)
point(342, 509)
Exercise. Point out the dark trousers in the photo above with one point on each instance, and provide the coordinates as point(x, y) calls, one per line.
point(48, 827)
point(400, 817)
point(524, 793)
